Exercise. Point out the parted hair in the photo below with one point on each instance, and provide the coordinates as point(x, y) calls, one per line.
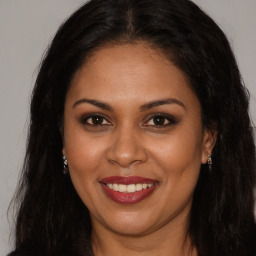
point(51, 218)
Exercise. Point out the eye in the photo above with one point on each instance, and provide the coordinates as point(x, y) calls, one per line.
point(95, 120)
point(160, 120)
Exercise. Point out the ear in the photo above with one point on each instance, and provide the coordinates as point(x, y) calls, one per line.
point(62, 138)
point(209, 140)
point(63, 151)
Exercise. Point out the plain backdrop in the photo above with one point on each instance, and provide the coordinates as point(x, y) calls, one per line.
point(26, 28)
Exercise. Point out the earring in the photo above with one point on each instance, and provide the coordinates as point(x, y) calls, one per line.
point(65, 165)
point(209, 161)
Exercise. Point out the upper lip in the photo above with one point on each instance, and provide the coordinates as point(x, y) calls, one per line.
point(127, 180)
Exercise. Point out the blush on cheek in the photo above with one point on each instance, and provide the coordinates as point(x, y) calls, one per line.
point(83, 153)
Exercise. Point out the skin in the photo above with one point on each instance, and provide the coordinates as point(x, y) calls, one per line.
point(128, 142)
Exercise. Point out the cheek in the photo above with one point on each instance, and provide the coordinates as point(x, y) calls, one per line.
point(84, 152)
point(178, 152)
point(179, 159)
point(85, 157)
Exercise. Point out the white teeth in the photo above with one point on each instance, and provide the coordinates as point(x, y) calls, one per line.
point(115, 187)
point(138, 187)
point(122, 188)
point(131, 188)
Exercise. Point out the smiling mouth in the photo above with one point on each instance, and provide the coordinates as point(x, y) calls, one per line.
point(131, 188)
point(128, 190)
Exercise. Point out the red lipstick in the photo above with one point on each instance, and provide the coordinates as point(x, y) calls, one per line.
point(128, 197)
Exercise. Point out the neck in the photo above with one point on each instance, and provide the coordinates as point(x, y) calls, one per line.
point(168, 240)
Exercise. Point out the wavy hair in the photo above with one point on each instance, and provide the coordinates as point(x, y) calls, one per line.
point(51, 218)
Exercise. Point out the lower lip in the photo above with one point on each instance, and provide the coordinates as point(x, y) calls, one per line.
point(128, 198)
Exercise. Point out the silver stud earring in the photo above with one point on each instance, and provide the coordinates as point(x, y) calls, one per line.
point(65, 165)
point(209, 161)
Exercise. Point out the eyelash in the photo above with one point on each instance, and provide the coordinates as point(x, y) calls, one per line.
point(84, 120)
point(166, 119)
point(170, 120)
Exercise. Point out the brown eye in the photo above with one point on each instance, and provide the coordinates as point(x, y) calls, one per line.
point(96, 120)
point(159, 120)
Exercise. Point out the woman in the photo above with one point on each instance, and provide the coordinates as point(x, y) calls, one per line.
point(140, 141)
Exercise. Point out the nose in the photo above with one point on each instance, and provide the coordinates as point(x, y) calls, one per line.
point(127, 148)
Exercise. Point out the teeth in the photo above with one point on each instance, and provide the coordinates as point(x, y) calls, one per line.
point(138, 187)
point(122, 188)
point(144, 186)
point(131, 188)
point(115, 187)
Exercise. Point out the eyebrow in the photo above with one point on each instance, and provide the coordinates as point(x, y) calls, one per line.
point(96, 103)
point(157, 103)
point(144, 107)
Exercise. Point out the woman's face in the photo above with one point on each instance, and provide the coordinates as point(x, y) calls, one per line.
point(134, 140)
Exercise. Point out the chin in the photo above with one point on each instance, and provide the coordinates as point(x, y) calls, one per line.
point(131, 223)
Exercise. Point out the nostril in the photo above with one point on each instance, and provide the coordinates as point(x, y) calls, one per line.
point(125, 164)
point(127, 149)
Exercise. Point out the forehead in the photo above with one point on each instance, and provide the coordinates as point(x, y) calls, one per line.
point(130, 71)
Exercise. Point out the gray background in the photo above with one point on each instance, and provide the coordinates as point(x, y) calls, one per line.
point(26, 27)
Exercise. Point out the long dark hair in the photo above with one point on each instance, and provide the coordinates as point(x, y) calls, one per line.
point(51, 218)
